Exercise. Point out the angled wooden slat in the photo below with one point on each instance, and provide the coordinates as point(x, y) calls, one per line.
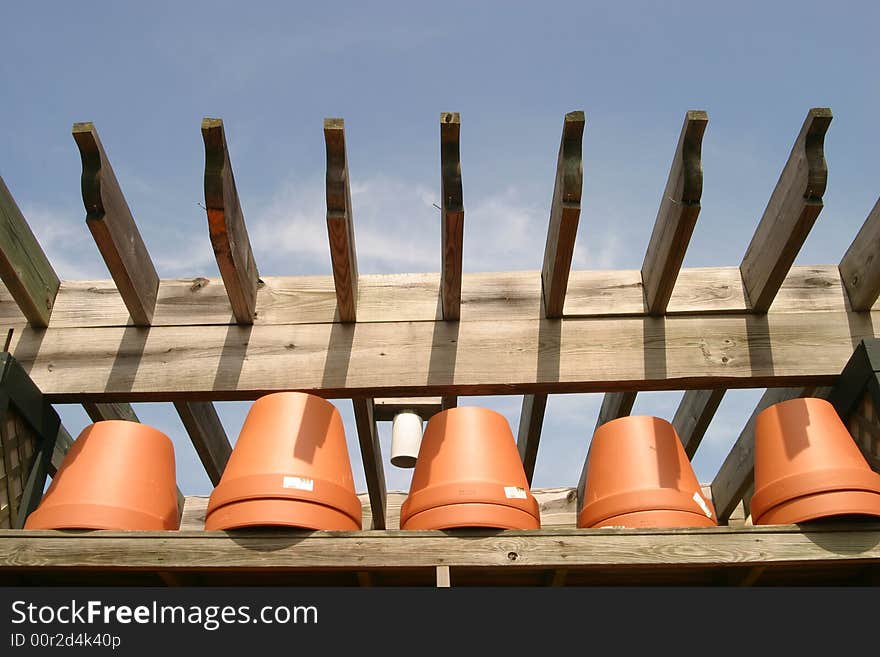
point(112, 225)
point(24, 267)
point(677, 216)
point(226, 226)
point(737, 472)
point(207, 434)
point(531, 419)
point(62, 444)
point(565, 210)
point(692, 418)
point(371, 455)
point(860, 266)
point(340, 223)
point(98, 412)
point(790, 214)
point(452, 215)
point(614, 405)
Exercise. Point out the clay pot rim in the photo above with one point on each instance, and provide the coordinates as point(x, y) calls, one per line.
point(61, 516)
point(704, 521)
point(820, 505)
point(471, 514)
point(484, 492)
point(642, 500)
point(264, 512)
point(813, 482)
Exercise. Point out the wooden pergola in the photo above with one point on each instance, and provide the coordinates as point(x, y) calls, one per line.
point(419, 341)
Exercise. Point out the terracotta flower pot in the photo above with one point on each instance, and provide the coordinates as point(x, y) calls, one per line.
point(638, 475)
point(290, 467)
point(807, 466)
point(469, 474)
point(116, 475)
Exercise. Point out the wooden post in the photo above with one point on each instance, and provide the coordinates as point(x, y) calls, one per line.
point(340, 224)
point(452, 215)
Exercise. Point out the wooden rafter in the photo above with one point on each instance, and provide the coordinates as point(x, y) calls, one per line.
point(228, 232)
point(371, 454)
point(208, 436)
point(113, 227)
point(531, 420)
point(24, 268)
point(860, 266)
point(677, 216)
point(790, 214)
point(692, 418)
point(340, 223)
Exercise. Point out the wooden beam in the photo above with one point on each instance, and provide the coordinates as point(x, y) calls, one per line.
point(112, 225)
point(207, 434)
point(660, 550)
point(738, 470)
point(677, 216)
point(694, 413)
point(99, 412)
point(24, 267)
point(614, 405)
point(229, 236)
point(565, 210)
point(860, 267)
point(371, 455)
point(426, 358)
point(340, 224)
point(531, 419)
point(384, 410)
point(452, 215)
point(502, 296)
point(790, 214)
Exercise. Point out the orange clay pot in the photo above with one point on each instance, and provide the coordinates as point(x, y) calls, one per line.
point(469, 474)
point(116, 475)
point(639, 476)
point(290, 467)
point(807, 466)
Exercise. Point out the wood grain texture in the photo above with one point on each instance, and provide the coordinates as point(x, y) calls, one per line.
point(790, 214)
point(413, 298)
point(531, 419)
point(283, 550)
point(427, 358)
point(677, 216)
point(614, 405)
point(737, 472)
point(226, 226)
point(860, 266)
point(112, 225)
point(24, 267)
point(371, 455)
point(385, 409)
point(340, 221)
point(451, 215)
point(693, 416)
point(565, 211)
point(207, 435)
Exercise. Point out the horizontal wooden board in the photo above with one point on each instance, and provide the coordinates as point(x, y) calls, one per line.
point(548, 548)
point(415, 297)
point(441, 358)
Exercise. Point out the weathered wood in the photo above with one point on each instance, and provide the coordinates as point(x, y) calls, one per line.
point(737, 472)
point(24, 267)
point(285, 550)
point(860, 266)
point(451, 215)
point(790, 214)
point(207, 434)
point(565, 212)
point(340, 222)
point(226, 226)
point(98, 412)
point(531, 419)
point(371, 455)
point(677, 216)
point(413, 298)
point(427, 358)
point(112, 225)
point(384, 410)
point(692, 418)
point(614, 405)
point(444, 581)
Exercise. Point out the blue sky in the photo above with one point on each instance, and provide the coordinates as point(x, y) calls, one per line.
point(147, 73)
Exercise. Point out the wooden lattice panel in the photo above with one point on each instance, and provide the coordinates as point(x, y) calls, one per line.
point(864, 425)
point(17, 447)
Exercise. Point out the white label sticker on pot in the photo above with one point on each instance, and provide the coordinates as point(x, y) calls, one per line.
point(300, 483)
point(515, 492)
point(702, 504)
